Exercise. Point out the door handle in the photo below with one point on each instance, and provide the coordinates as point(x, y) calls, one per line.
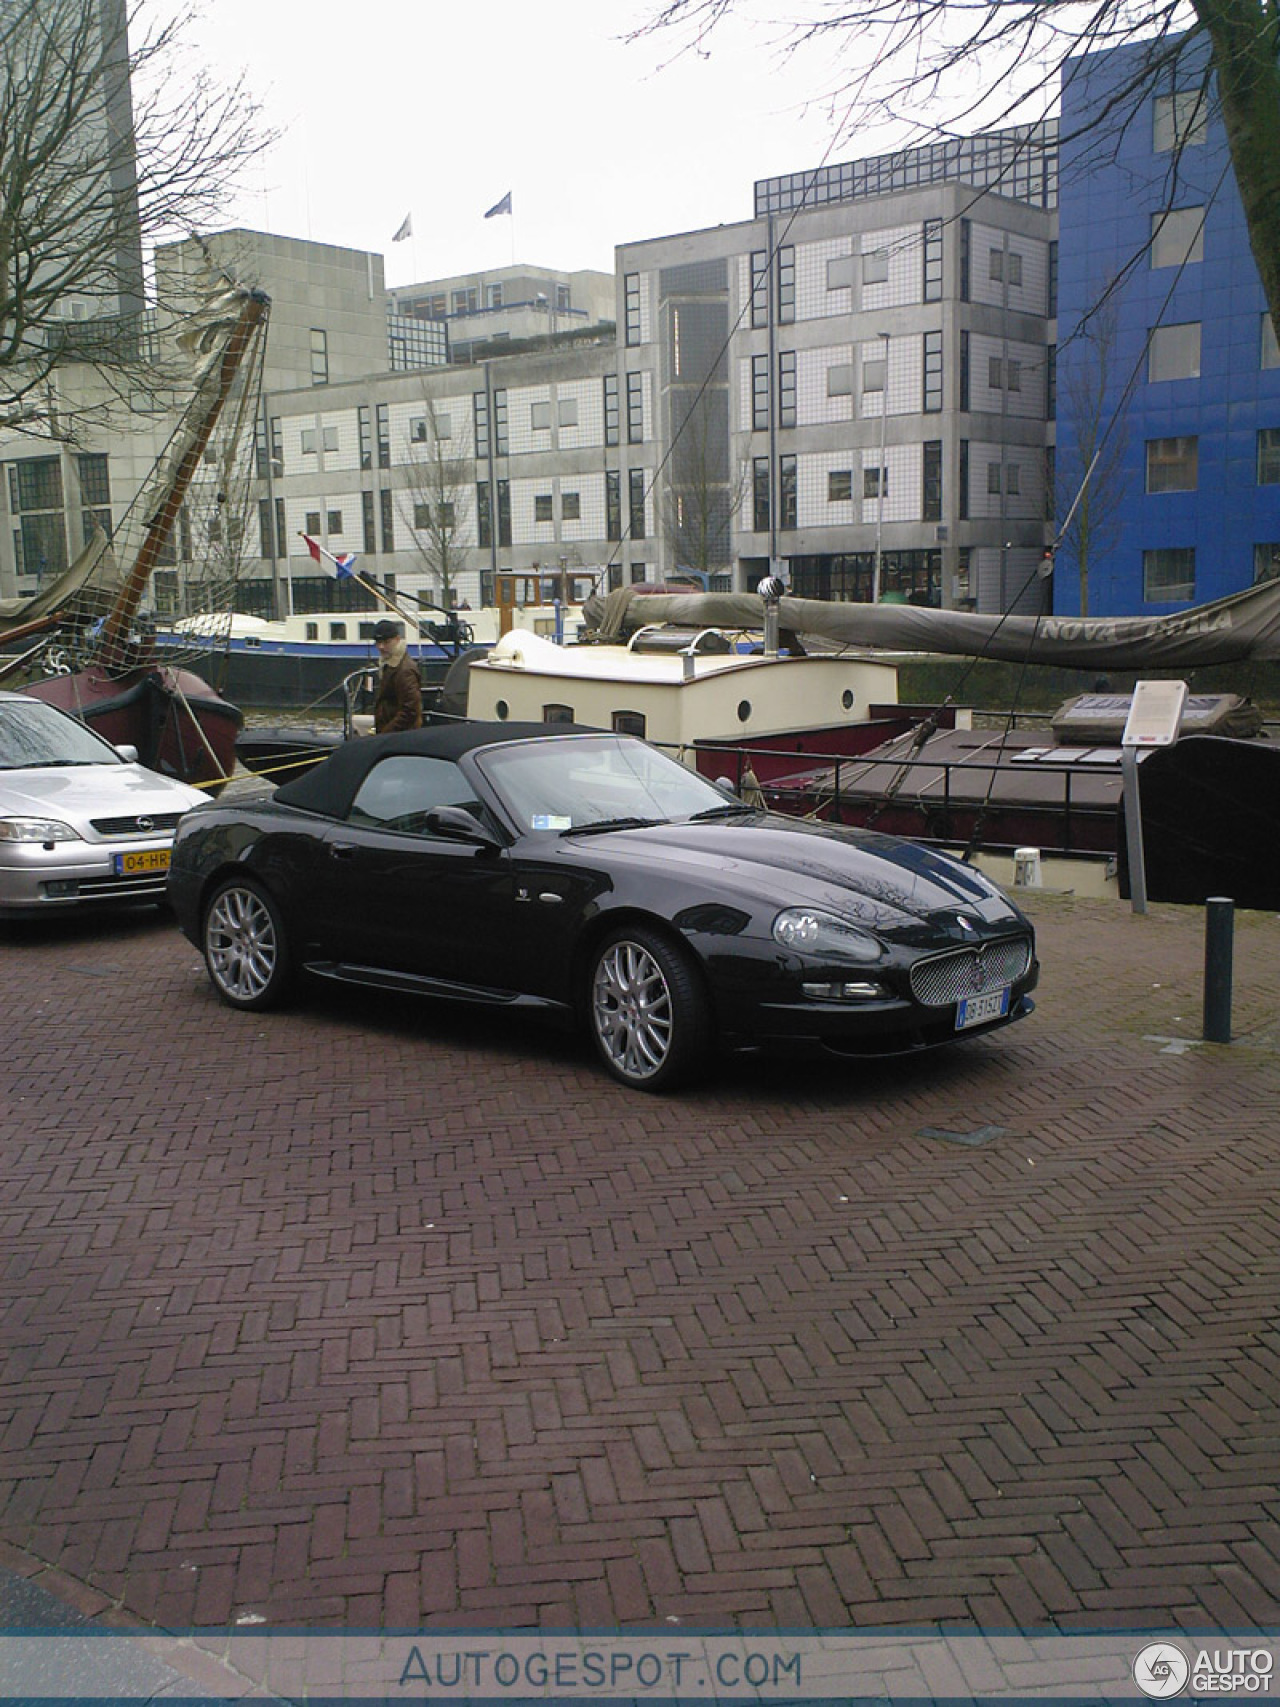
point(341, 850)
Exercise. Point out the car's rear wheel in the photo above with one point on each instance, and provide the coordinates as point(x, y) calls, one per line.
point(647, 1010)
point(245, 947)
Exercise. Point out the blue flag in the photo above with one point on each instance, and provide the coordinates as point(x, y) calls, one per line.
point(504, 206)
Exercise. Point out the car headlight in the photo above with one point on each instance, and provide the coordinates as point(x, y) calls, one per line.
point(36, 830)
point(808, 930)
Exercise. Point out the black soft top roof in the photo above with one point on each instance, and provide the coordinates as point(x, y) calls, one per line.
point(332, 785)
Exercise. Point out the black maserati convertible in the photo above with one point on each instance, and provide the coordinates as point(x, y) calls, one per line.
point(593, 877)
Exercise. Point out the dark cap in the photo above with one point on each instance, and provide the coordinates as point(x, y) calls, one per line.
point(385, 630)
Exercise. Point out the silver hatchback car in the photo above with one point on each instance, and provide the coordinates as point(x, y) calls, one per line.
point(80, 821)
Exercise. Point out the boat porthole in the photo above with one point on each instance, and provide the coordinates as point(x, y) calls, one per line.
point(744, 710)
point(846, 699)
point(503, 710)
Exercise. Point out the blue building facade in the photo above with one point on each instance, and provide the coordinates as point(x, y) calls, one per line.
point(1187, 493)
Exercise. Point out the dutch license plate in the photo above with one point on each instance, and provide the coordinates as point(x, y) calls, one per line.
point(137, 864)
point(976, 1010)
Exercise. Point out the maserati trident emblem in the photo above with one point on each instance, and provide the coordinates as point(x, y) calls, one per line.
point(965, 924)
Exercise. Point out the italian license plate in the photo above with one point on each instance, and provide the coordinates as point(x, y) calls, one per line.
point(976, 1010)
point(138, 864)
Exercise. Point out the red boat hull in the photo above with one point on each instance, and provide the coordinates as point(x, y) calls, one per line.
point(180, 725)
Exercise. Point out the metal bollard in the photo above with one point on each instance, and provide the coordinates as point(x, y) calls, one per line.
point(1219, 924)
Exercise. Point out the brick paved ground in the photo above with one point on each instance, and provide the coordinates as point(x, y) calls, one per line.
point(347, 1316)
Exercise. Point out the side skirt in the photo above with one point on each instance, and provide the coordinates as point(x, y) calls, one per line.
point(416, 984)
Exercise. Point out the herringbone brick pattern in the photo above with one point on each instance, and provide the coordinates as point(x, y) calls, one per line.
point(352, 1315)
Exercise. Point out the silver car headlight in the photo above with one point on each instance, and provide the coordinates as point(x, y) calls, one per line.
point(36, 830)
point(808, 930)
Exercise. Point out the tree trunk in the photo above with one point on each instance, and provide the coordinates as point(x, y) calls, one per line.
point(1246, 40)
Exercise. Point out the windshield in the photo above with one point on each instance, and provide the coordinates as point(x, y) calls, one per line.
point(34, 735)
point(587, 780)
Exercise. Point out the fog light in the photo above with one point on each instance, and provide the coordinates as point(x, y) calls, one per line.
point(840, 992)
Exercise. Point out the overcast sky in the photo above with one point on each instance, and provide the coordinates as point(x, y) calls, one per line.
point(437, 108)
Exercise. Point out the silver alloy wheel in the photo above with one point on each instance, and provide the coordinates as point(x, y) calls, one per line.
point(241, 945)
point(632, 1010)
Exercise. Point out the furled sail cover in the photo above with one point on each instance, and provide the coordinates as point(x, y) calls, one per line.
point(1240, 627)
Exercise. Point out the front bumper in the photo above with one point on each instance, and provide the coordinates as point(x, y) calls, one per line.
point(38, 877)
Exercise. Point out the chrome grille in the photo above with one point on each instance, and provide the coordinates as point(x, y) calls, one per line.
point(969, 971)
point(158, 823)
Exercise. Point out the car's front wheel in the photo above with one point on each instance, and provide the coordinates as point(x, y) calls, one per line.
point(647, 1010)
point(245, 947)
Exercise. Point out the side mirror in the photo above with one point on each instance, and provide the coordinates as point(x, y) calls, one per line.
point(456, 824)
point(128, 752)
point(727, 783)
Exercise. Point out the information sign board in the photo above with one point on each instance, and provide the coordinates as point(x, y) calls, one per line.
point(1155, 714)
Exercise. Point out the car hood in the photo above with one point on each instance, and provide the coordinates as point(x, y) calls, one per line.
point(78, 793)
point(883, 882)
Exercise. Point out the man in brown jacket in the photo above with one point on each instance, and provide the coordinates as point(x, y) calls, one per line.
point(399, 701)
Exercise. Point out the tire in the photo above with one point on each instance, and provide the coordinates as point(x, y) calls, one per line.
point(647, 1010)
point(245, 947)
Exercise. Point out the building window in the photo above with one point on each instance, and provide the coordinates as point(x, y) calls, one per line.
point(266, 534)
point(1005, 266)
point(637, 571)
point(384, 435)
point(873, 373)
point(365, 434)
point(931, 482)
point(493, 296)
point(962, 483)
point(840, 379)
point(1004, 374)
point(787, 492)
point(1173, 465)
point(993, 479)
point(787, 388)
point(480, 424)
point(484, 514)
point(388, 520)
point(466, 300)
point(504, 512)
point(1175, 352)
point(839, 485)
point(1179, 120)
point(542, 510)
point(421, 517)
point(840, 272)
point(282, 531)
point(875, 266)
point(563, 301)
point(1012, 480)
point(1177, 236)
point(567, 411)
point(1169, 573)
point(1051, 304)
point(932, 399)
point(540, 417)
point(966, 252)
point(760, 288)
point(95, 493)
point(313, 522)
point(637, 528)
point(612, 504)
point(319, 356)
point(329, 439)
point(759, 393)
point(334, 519)
point(1051, 383)
point(418, 430)
point(635, 408)
point(570, 507)
point(308, 442)
point(611, 408)
point(760, 494)
point(628, 722)
point(631, 300)
point(1270, 345)
point(933, 260)
point(786, 285)
point(1266, 562)
point(875, 483)
point(1269, 456)
point(557, 714)
point(964, 372)
point(501, 435)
